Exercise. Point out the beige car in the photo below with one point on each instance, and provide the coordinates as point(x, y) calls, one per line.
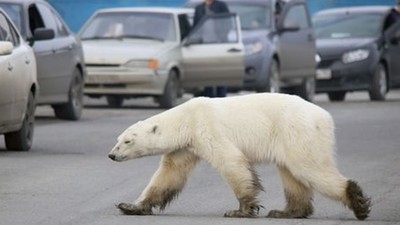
point(141, 52)
point(18, 87)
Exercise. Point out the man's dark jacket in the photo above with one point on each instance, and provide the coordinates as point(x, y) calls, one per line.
point(216, 7)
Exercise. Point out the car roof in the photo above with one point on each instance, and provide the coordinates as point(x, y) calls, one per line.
point(355, 9)
point(171, 10)
point(263, 2)
point(23, 1)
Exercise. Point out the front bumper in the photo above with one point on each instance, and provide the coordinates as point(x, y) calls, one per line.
point(117, 80)
point(344, 77)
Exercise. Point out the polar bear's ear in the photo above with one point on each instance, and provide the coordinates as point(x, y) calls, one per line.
point(154, 129)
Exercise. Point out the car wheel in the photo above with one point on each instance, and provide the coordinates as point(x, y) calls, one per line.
point(379, 86)
point(337, 96)
point(273, 78)
point(21, 140)
point(306, 89)
point(115, 101)
point(171, 91)
point(72, 110)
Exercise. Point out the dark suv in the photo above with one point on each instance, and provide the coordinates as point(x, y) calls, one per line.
point(280, 45)
point(58, 52)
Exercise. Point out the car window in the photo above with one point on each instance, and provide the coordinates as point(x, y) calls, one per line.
point(252, 17)
point(216, 29)
point(7, 32)
point(135, 25)
point(184, 25)
point(14, 11)
point(35, 19)
point(297, 15)
point(358, 25)
point(48, 18)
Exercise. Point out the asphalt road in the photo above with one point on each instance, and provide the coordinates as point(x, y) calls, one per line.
point(67, 178)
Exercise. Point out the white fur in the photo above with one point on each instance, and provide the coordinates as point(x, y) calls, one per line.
point(234, 133)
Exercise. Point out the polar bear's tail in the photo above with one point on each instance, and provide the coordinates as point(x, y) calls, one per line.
point(359, 203)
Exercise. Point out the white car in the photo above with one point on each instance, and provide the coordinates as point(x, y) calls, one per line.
point(18, 87)
point(140, 52)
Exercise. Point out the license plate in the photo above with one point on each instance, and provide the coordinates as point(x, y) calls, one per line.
point(324, 74)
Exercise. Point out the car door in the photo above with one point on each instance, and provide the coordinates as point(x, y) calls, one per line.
point(12, 75)
point(54, 56)
point(213, 53)
point(296, 41)
point(392, 36)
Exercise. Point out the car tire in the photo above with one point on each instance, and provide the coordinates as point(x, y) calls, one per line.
point(273, 78)
point(171, 91)
point(379, 86)
point(306, 89)
point(337, 96)
point(114, 101)
point(21, 140)
point(72, 110)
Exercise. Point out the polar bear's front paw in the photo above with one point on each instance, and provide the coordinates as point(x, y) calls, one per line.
point(131, 209)
point(237, 214)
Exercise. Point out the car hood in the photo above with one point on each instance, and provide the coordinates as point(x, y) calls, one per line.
point(250, 36)
point(121, 51)
point(336, 47)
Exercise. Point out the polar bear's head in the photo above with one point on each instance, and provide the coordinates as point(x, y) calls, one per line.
point(140, 139)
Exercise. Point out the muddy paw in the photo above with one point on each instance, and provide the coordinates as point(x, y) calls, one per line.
point(131, 209)
point(277, 214)
point(237, 214)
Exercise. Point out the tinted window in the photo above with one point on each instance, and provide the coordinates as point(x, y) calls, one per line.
point(156, 26)
point(216, 29)
point(347, 25)
point(252, 17)
point(297, 15)
point(48, 18)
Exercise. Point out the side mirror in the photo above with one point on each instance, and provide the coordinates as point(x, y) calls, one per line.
point(41, 34)
point(6, 47)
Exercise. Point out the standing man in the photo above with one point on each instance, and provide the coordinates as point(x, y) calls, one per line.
point(211, 7)
point(394, 16)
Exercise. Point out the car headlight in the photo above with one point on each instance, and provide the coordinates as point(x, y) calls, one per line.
point(317, 58)
point(253, 48)
point(355, 56)
point(152, 64)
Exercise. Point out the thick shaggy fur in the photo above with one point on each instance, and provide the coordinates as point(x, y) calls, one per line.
point(233, 134)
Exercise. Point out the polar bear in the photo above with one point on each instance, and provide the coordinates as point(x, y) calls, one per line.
point(233, 134)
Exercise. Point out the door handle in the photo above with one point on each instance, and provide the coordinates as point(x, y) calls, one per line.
point(311, 37)
point(234, 50)
point(27, 61)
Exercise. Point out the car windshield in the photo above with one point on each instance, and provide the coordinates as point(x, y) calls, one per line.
point(252, 17)
point(347, 26)
point(138, 25)
point(14, 11)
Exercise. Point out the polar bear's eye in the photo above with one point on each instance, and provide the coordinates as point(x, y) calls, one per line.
point(127, 142)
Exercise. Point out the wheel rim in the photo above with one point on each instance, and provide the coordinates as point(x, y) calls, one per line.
point(382, 82)
point(77, 93)
point(274, 79)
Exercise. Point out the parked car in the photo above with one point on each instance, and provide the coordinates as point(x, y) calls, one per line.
point(18, 87)
point(279, 43)
point(139, 52)
point(357, 52)
point(58, 52)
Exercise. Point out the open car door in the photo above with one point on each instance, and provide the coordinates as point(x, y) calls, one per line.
point(213, 53)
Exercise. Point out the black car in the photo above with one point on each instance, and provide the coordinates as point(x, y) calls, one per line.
point(357, 52)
